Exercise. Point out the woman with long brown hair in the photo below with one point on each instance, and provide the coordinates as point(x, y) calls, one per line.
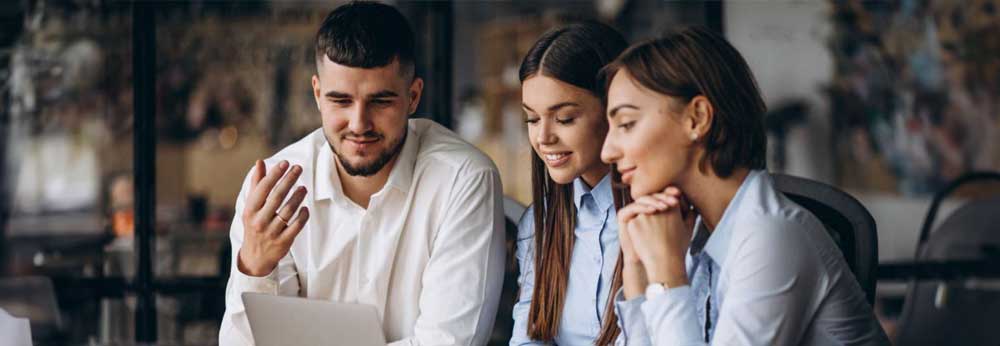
point(567, 244)
point(726, 259)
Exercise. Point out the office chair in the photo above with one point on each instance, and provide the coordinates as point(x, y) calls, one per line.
point(847, 221)
point(962, 311)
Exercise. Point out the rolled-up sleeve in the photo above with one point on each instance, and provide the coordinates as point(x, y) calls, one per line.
point(464, 276)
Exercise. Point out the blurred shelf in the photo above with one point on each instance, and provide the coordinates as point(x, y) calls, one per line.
point(55, 224)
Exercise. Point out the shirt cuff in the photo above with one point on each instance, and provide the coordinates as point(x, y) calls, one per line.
point(630, 320)
point(258, 284)
point(673, 316)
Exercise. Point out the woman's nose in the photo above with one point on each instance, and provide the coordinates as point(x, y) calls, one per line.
point(545, 134)
point(610, 153)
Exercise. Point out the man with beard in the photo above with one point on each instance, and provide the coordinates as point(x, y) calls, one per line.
point(373, 207)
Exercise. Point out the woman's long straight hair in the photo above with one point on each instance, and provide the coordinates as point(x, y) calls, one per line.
point(573, 54)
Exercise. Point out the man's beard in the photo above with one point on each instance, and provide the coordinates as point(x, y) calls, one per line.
point(376, 165)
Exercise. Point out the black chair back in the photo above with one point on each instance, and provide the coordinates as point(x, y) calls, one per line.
point(847, 221)
point(960, 311)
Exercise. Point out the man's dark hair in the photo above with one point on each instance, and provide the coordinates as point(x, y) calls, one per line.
point(366, 34)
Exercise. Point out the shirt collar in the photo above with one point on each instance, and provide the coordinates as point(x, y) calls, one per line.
point(327, 181)
point(717, 245)
point(601, 193)
point(401, 176)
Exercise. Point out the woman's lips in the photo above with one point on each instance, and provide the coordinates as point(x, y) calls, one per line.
point(556, 160)
point(627, 174)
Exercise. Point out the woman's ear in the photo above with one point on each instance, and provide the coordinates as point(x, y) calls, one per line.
point(700, 114)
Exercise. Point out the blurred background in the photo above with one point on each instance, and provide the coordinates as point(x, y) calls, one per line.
point(891, 101)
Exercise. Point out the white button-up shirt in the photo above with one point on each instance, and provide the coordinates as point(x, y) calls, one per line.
point(428, 252)
point(777, 278)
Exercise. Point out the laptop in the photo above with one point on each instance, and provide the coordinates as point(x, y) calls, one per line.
point(293, 321)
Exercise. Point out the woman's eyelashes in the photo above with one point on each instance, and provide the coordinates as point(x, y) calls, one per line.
point(626, 125)
point(566, 120)
point(559, 120)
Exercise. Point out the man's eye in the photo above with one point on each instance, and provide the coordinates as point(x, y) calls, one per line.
point(531, 120)
point(342, 102)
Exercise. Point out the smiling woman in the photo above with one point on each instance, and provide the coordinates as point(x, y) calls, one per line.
point(567, 242)
point(652, 86)
point(726, 258)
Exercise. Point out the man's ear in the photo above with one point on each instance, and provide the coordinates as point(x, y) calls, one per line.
point(316, 90)
point(416, 89)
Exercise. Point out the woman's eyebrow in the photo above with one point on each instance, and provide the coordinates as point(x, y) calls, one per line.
point(614, 111)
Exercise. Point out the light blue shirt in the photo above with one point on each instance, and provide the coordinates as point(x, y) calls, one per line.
point(768, 275)
point(592, 265)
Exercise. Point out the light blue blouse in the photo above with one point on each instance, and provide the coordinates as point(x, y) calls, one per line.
point(769, 275)
point(595, 253)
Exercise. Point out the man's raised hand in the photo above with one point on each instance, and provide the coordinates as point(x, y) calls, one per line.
point(268, 227)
